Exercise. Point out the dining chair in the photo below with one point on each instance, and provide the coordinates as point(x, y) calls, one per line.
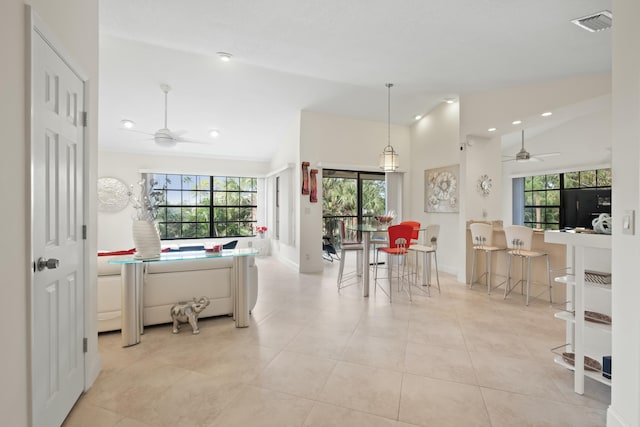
point(519, 241)
point(399, 241)
point(347, 246)
point(482, 241)
point(416, 230)
point(428, 250)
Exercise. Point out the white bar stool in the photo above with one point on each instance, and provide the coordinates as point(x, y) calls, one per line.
point(429, 248)
point(519, 240)
point(482, 241)
point(345, 248)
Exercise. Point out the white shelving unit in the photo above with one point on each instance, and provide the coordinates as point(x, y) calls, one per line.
point(584, 338)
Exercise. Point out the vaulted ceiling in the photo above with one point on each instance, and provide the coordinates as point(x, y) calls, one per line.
point(327, 56)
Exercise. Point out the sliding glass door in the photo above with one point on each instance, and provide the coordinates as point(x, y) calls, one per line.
point(351, 196)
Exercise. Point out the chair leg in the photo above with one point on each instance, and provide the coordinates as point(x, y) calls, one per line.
point(487, 255)
point(341, 269)
point(507, 288)
point(435, 259)
point(549, 278)
point(375, 274)
point(528, 278)
point(522, 276)
point(473, 268)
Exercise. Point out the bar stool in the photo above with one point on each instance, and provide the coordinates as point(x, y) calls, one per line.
point(427, 250)
point(482, 240)
point(519, 240)
point(399, 238)
point(416, 230)
point(346, 247)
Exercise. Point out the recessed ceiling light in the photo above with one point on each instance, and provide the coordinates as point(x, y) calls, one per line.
point(449, 100)
point(127, 124)
point(492, 129)
point(516, 122)
point(547, 114)
point(214, 133)
point(418, 117)
point(224, 56)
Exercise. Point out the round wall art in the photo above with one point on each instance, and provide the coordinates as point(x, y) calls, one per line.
point(484, 185)
point(113, 194)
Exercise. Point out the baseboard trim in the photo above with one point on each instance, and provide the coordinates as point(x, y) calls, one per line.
point(614, 420)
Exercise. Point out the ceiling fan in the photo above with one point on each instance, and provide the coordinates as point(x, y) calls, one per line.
point(165, 137)
point(524, 156)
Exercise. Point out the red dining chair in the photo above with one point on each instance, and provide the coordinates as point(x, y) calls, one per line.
point(399, 240)
point(416, 230)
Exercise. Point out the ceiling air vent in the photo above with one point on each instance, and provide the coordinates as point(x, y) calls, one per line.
point(595, 22)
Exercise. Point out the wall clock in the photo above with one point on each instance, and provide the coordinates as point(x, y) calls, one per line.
point(113, 194)
point(484, 185)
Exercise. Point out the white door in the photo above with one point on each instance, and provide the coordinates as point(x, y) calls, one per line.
point(57, 294)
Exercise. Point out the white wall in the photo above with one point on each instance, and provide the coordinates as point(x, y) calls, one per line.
point(338, 142)
point(286, 162)
point(75, 24)
point(625, 393)
point(114, 229)
point(583, 143)
point(434, 144)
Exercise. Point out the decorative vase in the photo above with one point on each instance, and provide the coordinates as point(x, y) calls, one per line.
point(147, 239)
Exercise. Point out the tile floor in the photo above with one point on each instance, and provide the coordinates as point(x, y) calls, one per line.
point(313, 357)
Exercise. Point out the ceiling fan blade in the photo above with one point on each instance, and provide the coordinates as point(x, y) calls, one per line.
point(178, 133)
point(546, 154)
point(191, 141)
point(138, 131)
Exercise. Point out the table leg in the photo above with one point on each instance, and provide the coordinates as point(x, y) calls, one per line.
point(241, 291)
point(365, 263)
point(132, 280)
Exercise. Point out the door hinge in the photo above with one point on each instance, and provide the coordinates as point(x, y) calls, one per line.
point(84, 232)
point(85, 119)
point(84, 345)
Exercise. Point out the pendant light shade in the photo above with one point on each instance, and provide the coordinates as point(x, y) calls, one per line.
point(389, 157)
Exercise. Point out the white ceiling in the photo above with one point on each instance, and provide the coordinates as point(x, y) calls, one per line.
point(327, 56)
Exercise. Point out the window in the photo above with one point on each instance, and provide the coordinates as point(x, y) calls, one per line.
point(352, 197)
point(542, 201)
point(198, 206)
point(570, 199)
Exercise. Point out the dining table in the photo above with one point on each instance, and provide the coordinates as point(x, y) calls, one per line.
point(367, 230)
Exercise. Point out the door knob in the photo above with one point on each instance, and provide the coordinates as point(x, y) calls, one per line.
point(47, 263)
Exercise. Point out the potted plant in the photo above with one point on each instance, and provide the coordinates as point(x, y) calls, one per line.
point(261, 230)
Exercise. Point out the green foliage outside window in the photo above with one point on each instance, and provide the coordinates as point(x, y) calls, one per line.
point(199, 206)
point(340, 197)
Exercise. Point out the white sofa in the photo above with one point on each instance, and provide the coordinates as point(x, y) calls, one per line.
point(166, 283)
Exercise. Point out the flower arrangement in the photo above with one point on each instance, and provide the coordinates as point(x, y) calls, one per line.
point(147, 202)
point(261, 229)
point(385, 218)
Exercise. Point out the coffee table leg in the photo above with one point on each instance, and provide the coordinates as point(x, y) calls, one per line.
point(132, 279)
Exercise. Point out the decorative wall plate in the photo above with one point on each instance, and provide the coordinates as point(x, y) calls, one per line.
point(441, 189)
point(113, 194)
point(484, 185)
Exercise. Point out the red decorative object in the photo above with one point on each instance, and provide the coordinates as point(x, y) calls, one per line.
point(314, 186)
point(305, 177)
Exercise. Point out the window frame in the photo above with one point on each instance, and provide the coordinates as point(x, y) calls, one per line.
point(239, 227)
point(548, 225)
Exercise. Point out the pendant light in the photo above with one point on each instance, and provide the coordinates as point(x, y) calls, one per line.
point(389, 157)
